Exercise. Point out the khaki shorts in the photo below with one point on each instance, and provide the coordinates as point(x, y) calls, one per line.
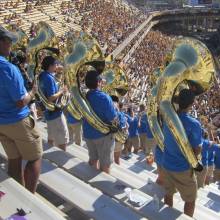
point(184, 182)
point(58, 131)
point(147, 144)
point(133, 142)
point(21, 139)
point(75, 133)
point(201, 177)
point(102, 149)
point(118, 146)
point(217, 174)
point(210, 171)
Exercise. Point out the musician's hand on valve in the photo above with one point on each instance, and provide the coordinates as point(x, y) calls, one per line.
point(65, 90)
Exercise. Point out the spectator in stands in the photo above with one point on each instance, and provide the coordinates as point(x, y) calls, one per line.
point(100, 146)
point(75, 129)
point(133, 138)
point(18, 133)
point(177, 171)
point(56, 122)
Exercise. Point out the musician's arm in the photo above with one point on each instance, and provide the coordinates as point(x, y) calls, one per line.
point(55, 96)
point(197, 150)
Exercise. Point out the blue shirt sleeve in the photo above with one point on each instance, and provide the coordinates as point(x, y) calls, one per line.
point(111, 112)
point(122, 120)
point(50, 87)
point(195, 136)
point(15, 84)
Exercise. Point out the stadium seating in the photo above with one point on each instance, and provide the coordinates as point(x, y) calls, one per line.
point(90, 201)
point(17, 197)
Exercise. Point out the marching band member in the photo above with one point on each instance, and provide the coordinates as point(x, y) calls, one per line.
point(18, 133)
point(75, 129)
point(178, 173)
point(100, 146)
point(56, 122)
point(123, 125)
point(133, 138)
point(147, 140)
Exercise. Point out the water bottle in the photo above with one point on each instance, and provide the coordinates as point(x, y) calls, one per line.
point(156, 202)
point(128, 192)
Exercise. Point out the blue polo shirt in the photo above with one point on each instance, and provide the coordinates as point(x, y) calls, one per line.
point(71, 119)
point(205, 149)
point(211, 154)
point(173, 159)
point(11, 90)
point(122, 119)
point(102, 105)
point(145, 127)
point(49, 87)
point(133, 126)
point(158, 156)
point(217, 156)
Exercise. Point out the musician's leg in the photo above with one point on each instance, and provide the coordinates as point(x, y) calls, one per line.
point(14, 157)
point(106, 152)
point(168, 200)
point(189, 208)
point(186, 184)
point(136, 144)
point(31, 174)
point(169, 187)
point(93, 153)
point(50, 135)
point(61, 133)
point(117, 152)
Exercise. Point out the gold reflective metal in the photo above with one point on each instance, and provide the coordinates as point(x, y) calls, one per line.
point(84, 52)
point(116, 80)
point(45, 40)
point(153, 111)
point(21, 39)
point(191, 64)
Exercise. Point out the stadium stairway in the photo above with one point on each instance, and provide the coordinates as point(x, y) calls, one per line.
point(135, 172)
point(15, 196)
point(151, 188)
point(111, 186)
point(90, 201)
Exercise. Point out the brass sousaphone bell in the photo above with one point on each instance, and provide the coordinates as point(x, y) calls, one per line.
point(191, 64)
point(45, 40)
point(85, 51)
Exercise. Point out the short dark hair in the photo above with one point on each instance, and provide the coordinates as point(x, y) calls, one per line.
point(92, 78)
point(47, 62)
point(142, 106)
point(130, 110)
point(186, 98)
point(115, 98)
point(205, 134)
point(120, 105)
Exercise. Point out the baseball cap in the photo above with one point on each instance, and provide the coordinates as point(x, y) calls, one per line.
point(7, 34)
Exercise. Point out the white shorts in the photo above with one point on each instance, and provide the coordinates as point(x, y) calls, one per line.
point(57, 130)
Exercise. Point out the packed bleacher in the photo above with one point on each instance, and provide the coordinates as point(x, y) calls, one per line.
point(149, 55)
point(84, 173)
